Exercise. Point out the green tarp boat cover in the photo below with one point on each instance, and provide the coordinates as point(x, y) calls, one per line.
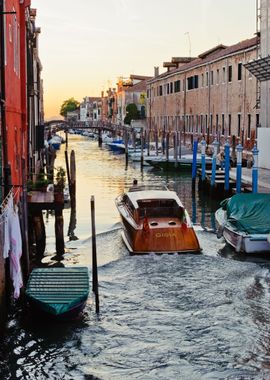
point(58, 290)
point(248, 213)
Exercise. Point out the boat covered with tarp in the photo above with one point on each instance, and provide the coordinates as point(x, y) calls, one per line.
point(244, 222)
point(58, 292)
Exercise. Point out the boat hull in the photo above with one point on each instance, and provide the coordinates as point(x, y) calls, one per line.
point(240, 241)
point(176, 239)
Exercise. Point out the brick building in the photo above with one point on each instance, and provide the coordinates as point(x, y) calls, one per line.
point(212, 95)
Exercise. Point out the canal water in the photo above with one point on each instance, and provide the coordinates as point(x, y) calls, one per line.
point(161, 317)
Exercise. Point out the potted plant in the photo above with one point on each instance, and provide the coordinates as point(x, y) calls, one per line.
point(59, 184)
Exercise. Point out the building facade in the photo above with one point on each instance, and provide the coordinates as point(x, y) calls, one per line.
point(212, 95)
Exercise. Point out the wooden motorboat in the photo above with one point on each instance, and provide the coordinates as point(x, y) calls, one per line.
point(60, 293)
point(154, 220)
point(244, 222)
point(183, 163)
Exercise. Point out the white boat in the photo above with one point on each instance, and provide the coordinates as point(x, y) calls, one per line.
point(155, 220)
point(244, 222)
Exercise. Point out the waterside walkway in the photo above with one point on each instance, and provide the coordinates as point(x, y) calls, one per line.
point(263, 178)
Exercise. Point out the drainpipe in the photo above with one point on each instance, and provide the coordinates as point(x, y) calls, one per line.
point(4, 157)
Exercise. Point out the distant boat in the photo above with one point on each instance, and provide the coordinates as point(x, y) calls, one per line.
point(60, 293)
point(155, 220)
point(55, 142)
point(183, 163)
point(244, 222)
point(116, 146)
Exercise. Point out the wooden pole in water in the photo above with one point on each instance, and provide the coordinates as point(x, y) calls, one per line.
point(59, 231)
point(72, 179)
point(67, 168)
point(126, 146)
point(94, 255)
point(142, 144)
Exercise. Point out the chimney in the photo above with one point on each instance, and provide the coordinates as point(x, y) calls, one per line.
point(156, 71)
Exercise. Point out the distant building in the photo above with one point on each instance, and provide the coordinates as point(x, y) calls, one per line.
point(90, 109)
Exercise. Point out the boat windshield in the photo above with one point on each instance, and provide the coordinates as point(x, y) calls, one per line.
point(147, 187)
point(164, 208)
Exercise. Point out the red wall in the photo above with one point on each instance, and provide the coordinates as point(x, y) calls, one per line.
point(15, 75)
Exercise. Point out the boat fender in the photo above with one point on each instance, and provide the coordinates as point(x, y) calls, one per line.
point(145, 225)
point(184, 226)
point(219, 231)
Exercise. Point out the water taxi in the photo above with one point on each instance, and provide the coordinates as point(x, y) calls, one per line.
point(155, 220)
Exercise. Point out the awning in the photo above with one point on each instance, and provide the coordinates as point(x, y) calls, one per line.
point(260, 68)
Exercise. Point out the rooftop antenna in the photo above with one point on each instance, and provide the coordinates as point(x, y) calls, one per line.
point(189, 42)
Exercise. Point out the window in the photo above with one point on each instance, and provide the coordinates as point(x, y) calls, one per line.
point(160, 91)
point(197, 123)
point(239, 125)
point(212, 77)
point(177, 86)
point(202, 80)
point(192, 82)
point(230, 73)
point(171, 87)
point(216, 124)
point(207, 78)
point(201, 123)
point(230, 124)
point(168, 88)
point(257, 120)
point(249, 126)
point(223, 74)
point(222, 124)
point(239, 71)
point(211, 124)
point(217, 76)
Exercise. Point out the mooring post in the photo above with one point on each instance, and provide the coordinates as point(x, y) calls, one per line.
point(227, 166)
point(99, 138)
point(59, 231)
point(239, 150)
point(66, 136)
point(214, 163)
point(255, 152)
point(94, 255)
point(156, 141)
point(67, 168)
point(142, 144)
point(203, 146)
point(194, 162)
point(72, 179)
point(126, 146)
point(176, 148)
point(167, 145)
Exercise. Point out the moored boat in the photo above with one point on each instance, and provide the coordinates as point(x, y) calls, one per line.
point(244, 222)
point(60, 293)
point(183, 163)
point(155, 220)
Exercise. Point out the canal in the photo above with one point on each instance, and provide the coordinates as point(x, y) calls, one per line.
point(161, 316)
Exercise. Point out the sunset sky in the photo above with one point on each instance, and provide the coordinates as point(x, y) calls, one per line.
point(86, 45)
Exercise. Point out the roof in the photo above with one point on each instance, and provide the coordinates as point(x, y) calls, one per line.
point(260, 68)
point(135, 196)
point(213, 54)
point(138, 87)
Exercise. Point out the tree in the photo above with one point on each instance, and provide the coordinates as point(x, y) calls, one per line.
point(132, 113)
point(69, 105)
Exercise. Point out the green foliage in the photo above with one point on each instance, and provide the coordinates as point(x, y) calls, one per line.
point(132, 113)
point(60, 178)
point(69, 105)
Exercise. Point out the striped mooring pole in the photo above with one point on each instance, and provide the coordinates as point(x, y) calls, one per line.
point(239, 151)
point(227, 166)
point(203, 146)
point(214, 162)
point(255, 152)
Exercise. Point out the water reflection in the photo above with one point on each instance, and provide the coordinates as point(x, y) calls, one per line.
point(162, 317)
